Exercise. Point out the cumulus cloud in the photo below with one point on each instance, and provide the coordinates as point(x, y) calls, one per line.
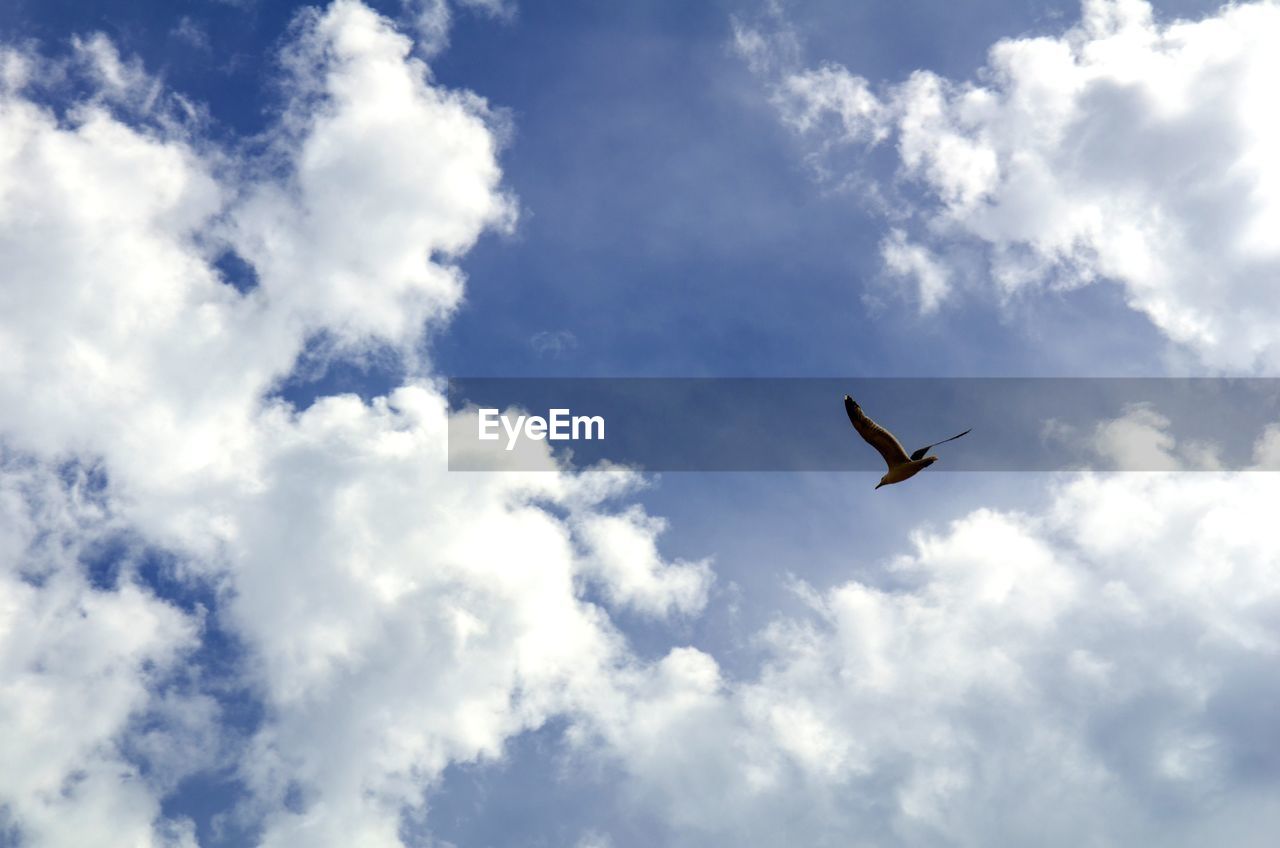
point(395, 618)
point(1266, 450)
point(1096, 673)
point(1125, 149)
point(79, 659)
point(1141, 439)
point(390, 177)
point(625, 560)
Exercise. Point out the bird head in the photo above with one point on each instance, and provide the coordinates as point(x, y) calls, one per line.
point(929, 460)
point(882, 482)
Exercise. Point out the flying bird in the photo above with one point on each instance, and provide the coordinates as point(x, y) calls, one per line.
point(900, 465)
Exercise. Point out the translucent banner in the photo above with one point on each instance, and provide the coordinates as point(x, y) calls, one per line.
point(781, 424)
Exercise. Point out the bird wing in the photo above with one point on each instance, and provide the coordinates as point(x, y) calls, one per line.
point(875, 435)
point(919, 454)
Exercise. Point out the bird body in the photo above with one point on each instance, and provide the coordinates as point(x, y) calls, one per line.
point(908, 469)
point(901, 466)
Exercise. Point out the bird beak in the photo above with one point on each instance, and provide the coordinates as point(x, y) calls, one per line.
point(878, 485)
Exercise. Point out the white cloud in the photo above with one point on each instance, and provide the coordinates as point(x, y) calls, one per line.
point(1139, 439)
point(115, 77)
point(904, 258)
point(553, 343)
point(431, 20)
point(1125, 149)
point(808, 98)
point(594, 839)
point(390, 178)
point(502, 9)
point(399, 618)
point(77, 662)
point(1266, 450)
point(624, 558)
point(396, 617)
point(192, 33)
point(1097, 673)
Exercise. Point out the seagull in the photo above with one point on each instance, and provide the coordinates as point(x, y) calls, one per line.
point(900, 465)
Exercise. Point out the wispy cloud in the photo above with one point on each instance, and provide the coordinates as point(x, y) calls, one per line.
point(553, 343)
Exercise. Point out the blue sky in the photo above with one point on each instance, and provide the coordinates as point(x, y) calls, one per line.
point(672, 227)
point(245, 603)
